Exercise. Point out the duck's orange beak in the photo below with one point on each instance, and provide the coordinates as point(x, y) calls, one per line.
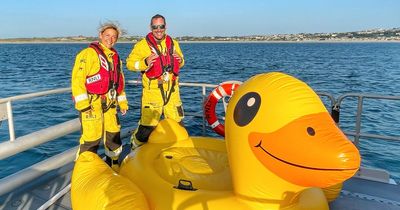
point(309, 151)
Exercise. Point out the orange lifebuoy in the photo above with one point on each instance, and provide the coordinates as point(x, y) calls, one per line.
point(225, 89)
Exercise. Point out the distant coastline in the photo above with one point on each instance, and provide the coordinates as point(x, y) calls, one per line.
point(199, 42)
point(374, 35)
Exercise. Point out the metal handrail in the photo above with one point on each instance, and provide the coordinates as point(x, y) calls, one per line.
point(9, 148)
point(8, 101)
point(360, 99)
point(36, 94)
point(329, 96)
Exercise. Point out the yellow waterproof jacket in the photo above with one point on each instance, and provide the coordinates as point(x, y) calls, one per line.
point(87, 63)
point(141, 50)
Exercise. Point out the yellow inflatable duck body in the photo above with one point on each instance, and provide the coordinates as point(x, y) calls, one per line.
point(281, 147)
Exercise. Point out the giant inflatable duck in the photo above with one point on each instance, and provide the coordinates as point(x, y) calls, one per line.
point(281, 148)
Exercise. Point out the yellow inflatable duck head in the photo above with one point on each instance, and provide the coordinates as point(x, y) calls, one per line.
point(281, 139)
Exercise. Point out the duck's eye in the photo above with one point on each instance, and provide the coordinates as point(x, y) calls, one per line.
point(246, 108)
point(310, 131)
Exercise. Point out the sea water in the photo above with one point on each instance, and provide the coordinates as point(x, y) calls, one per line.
point(334, 68)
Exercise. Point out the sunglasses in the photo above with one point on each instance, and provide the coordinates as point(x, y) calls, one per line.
point(154, 27)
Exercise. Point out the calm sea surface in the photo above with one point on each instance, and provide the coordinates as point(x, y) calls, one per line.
point(335, 68)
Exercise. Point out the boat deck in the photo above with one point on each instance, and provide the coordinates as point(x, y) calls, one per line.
point(362, 194)
point(37, 193)
point(357, 194)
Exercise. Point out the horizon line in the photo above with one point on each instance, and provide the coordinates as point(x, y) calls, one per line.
point(127, 35)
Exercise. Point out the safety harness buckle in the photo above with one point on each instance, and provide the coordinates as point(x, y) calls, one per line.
point(165, 76)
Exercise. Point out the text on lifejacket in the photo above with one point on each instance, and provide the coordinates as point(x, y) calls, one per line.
point(94, 78)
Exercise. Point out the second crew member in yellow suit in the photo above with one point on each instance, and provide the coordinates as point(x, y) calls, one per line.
point(159, 58)
point(98, 89)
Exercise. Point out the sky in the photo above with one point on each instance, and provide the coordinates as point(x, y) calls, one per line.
point(58, 18)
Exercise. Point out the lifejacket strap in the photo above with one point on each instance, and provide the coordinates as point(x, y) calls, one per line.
point(86, 109)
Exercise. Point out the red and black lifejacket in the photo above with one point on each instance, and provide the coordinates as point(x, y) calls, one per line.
point(165, 62)
point(109, 75)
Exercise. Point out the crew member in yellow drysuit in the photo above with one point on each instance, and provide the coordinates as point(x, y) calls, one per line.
point(159, 58)
point(97, 89)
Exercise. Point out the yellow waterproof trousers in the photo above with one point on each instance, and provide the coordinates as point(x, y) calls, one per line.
point(153, 107)
point(98, 124)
